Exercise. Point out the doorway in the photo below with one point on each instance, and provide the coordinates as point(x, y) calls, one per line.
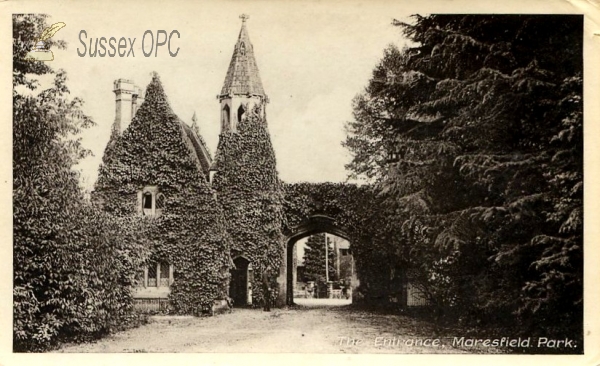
point(240, 282)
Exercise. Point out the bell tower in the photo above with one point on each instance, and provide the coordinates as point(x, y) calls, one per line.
point(242, 89)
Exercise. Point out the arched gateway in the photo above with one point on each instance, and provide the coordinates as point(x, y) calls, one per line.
point(312, 225)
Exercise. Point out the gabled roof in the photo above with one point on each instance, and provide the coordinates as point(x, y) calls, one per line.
point(199, 147)
point(242, 76)
point(216, 163)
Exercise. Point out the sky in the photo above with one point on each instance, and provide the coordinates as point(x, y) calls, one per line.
point(314, 57)
point(312, 60)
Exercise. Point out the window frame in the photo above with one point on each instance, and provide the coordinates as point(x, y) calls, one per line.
point(153, 192)
point(158, 270)
point(226, 117)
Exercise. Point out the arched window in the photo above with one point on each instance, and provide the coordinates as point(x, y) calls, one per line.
point(240, 113)
point(150, 201)
point(226, 118)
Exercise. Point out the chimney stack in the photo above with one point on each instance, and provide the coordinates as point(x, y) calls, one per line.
point(128, 98)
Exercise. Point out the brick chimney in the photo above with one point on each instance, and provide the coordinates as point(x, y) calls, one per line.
point(128, 97)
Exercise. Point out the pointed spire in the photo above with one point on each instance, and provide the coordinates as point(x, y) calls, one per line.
point(242, 76)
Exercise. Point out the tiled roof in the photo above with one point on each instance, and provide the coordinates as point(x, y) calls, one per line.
point(202, 154)
point(242, 75)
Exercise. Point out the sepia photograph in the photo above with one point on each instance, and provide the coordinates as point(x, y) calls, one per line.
point(311, 178)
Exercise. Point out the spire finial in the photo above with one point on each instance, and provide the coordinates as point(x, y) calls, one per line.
point(244, 17)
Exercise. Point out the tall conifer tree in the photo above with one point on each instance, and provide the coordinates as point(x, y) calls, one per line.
point(314, 259)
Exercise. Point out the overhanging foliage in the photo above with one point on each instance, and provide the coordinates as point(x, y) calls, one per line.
point(73, 265)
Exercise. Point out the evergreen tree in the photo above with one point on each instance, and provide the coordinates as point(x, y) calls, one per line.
point(314, 259)
point(475, 136)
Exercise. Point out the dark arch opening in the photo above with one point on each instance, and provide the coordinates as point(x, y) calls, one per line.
point(240, 113)
point(240, 283)
point(315, 224)
point(226, 117)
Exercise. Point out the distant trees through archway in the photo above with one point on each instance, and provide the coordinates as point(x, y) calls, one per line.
point(313, 212)
point(323, 268)
point(383, 269)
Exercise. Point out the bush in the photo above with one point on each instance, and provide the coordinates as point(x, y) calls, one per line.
point(73, 265)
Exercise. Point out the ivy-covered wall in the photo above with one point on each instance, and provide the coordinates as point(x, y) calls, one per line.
point(250, 192)
point(360, 212)
point(250, 215)
point(190, 231)
point(339, 201)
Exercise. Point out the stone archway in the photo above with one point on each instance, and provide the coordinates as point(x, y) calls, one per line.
point(312, 225)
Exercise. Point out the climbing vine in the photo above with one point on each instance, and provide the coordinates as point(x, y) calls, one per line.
point(251, 195)
point(362, 213)
point(190, 230)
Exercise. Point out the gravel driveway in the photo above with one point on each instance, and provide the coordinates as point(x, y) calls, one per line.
point(314, 327)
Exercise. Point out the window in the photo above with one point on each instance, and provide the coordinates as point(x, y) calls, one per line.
point(147, 201)
point(226, 118)
point(343, 252)
point(164, 275)
point(157, 274)
point(151, 202)
point(160, 201)
point(151, 275)
point(240, 113)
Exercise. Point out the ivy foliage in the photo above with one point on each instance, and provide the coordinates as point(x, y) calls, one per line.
point(190, 231)
point(73, 265)
point(342, 202)
point(250, 192)
point(362, 214)
point(475, 135)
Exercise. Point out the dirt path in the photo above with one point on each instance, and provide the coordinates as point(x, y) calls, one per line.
point(306, 329)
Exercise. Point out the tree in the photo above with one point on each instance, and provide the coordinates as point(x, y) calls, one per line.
point(314, 259)
point(474, 134)
point(72, 268)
